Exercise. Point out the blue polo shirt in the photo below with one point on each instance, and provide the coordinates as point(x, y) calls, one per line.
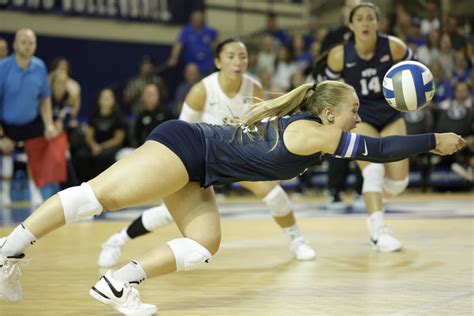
point(21, 90)
point(197, 47)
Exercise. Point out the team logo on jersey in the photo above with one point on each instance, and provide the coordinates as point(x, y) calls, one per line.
point(385, 58)
point(350, 65)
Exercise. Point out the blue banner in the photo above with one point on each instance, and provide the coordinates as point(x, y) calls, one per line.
point(161, 11)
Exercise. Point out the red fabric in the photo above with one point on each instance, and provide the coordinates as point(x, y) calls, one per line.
point(47, 159)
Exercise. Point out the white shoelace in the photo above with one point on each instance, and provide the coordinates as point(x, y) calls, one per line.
point(383, 230)
point(10, 266)
point(133, 297)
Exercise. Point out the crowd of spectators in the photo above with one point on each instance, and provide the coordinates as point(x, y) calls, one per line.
point(281, 61)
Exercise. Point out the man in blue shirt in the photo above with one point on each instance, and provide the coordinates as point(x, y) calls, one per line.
point(196, 41)
point(25, 98)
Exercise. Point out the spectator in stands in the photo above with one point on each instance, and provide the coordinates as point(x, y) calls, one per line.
point(430, 51)
point(266, 55)
point(132, 93)
point(421, 122)
point(459, 118)
point(105, 135)
point(191, 77)
point(302, 55)
point(252, 62)
point(338, 34)
point(444, 90)
point(456, 34)
point(312, 32)
point(65, 104)
point(152, 115)
point(285, 67)
point(3, 48)
point(73, 87)
point(431, 22)
point(25, 110)
point(414, 35)
point(196, 42)
point(462, 67)
point(279, 34)
point(446, 56)
point(315, 51)
point(269, 91)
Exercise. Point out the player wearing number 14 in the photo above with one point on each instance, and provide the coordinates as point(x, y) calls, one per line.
point(362, 62)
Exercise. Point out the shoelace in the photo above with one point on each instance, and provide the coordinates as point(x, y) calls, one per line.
point(11, 266)
point(383, 230)
point(133, 297)
point(297, 242)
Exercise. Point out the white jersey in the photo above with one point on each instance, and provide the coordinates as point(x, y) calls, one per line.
point(219, 106)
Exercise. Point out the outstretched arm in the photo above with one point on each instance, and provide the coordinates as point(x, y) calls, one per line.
point(394, 148)
point(305, 137)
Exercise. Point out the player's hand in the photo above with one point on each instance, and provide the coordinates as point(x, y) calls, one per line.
point(50, 131)
point(448, 143)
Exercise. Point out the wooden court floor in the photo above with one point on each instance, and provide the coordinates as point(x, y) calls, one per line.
point(255, 274)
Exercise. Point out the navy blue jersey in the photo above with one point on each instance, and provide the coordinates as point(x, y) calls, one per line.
point(233, 155)
point(366, 77)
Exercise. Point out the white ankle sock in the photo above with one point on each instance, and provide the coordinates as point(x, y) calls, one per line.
point(292, 232)
point(130, 273)
point(376, 219)
point(17, 241)
point(123, 234)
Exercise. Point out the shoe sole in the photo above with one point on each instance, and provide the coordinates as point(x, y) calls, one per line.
point(375, 247)
point(96, 294)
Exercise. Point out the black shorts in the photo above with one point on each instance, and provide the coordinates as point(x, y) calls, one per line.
point(378, 116)
point(187, 142)
point(26, 131)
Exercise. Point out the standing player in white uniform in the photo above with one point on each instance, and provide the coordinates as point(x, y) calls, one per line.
point(223, 95)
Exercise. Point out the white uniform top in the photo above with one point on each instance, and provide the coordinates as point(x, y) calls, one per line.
point(219, 106)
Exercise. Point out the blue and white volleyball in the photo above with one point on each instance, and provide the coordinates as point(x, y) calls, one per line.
point(408, 86)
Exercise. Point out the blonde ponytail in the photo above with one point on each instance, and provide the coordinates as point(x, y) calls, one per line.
point(279, 107)
point(307, 97)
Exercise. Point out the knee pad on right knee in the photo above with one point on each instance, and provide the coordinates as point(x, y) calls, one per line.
point(79, 202)
point(395, 187)
point(188, 253)
point(373, 176)
point(278, 202)
point(156, 217)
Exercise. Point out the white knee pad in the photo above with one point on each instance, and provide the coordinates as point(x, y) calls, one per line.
point(188, 253)
point(395, 187)
point(79, 202)
point(373, 177)
point(156, 217)
point(7, 167)
point(278, 202)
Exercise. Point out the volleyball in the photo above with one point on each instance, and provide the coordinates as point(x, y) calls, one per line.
point(408, 86)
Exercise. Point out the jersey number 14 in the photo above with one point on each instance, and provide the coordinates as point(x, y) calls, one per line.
point(370, 85)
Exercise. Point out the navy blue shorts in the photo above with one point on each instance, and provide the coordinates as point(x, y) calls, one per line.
point(379, 115)
point(23, 132)
point(187, 142)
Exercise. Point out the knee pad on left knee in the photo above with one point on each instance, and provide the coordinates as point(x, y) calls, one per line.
point(79, 202)
point(395, 187)
point(188, 253)
point(278, 202)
